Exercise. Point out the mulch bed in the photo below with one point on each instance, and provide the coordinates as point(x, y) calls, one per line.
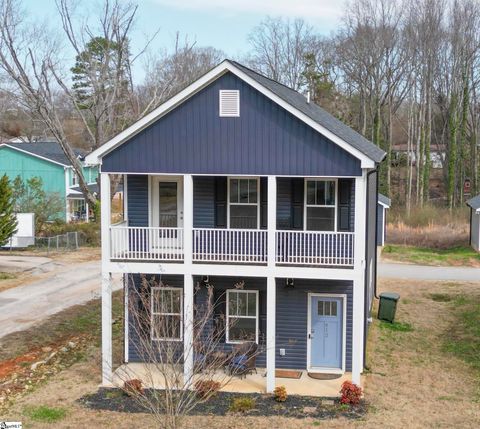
point(295, 406)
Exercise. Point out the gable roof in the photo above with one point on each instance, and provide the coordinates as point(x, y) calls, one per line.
point(292, 101)
point(384, 201)
point(474, 202)
point(47, 150)
point(319, 115)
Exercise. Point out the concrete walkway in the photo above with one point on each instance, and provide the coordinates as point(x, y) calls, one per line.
point(66, 285)
point(423, 272)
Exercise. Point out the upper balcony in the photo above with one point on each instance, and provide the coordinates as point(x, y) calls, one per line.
point(314, 221)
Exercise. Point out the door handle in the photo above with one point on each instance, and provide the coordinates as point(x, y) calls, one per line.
point(310, 336)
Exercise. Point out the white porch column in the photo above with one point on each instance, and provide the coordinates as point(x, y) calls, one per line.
point(359, 277)
point(271, 285)
point(188, 279)
point(106, 282)
point(107, 364)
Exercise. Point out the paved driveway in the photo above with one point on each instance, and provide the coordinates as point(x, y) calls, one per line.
point(66, 285)
point(421, 272)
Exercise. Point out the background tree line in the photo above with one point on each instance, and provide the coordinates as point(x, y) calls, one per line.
point(395, 70)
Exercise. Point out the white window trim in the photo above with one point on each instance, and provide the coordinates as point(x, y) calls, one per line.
point(257, 178)
point(223, 115)
point(152, 313)
point(256, 317)
point(305, 205)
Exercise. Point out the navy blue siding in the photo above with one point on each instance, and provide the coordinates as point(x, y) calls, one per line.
point(292, 307)
point(291, 316)
point(204, 202)
point(137, 200)
point(265, 139)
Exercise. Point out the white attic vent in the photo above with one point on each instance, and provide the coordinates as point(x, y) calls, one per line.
point(229, 102)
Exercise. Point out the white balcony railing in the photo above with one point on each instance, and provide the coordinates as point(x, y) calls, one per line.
point(315, 248)
point(245, 246)
point(230, 245)
point(146, 243)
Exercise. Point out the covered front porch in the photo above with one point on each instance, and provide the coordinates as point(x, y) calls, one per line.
point(251, 383)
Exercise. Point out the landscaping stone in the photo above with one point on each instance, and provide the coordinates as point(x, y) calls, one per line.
point(309, 410)
point(328, 402)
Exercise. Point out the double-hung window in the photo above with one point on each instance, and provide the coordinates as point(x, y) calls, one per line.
point(243, 203)
point(166, 314)
point(242, 316)
point(320, 205)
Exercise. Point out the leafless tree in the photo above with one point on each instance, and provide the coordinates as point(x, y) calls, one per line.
point(279, 48)
point(156, 324)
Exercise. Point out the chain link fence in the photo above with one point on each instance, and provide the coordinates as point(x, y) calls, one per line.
point(69, 241)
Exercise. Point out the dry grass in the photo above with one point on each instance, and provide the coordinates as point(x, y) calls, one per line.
point(83, 254)
point(429, 227)
point(413, 382)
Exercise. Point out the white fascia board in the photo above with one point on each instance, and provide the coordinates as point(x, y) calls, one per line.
point(34, 154)
point(95, 157)
point(383, 204)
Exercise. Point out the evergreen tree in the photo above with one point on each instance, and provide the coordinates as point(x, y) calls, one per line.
point(8, 220)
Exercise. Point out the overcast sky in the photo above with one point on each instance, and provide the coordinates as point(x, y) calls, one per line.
point(219, 23)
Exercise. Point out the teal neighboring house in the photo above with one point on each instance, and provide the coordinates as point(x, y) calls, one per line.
point(45, 159)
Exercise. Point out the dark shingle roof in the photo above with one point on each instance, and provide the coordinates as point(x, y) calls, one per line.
point(384, 200)
point(316, 113)
point(46, 149)
point(474, 202)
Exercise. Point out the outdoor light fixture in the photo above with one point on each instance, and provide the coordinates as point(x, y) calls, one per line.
point(205, 280)
point(289, 283)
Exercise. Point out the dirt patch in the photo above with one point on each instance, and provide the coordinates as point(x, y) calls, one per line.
point(83, 254)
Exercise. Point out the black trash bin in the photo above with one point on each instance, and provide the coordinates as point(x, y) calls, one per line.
point(388, 306)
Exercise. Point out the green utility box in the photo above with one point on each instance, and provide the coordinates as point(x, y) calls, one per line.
point(388, 306)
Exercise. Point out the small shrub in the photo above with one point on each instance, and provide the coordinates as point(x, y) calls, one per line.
point(280, 394)
point(205, 389)
point(242, 405)
point(133, 387)
point(45, 414)
point(351, 393)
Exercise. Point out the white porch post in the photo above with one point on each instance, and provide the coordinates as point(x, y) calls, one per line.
point(359, 277)
point(188, 279)
point(106, 282)
point(271, 285)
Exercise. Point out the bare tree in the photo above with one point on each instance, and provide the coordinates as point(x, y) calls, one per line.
point(156, 323)
point(279, 48)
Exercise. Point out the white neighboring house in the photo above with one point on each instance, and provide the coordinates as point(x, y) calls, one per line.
point(382, 206)
point(474, 205)
point(25, 235)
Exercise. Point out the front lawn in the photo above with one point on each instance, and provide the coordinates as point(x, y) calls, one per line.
point(422, 371)
point(457, 256)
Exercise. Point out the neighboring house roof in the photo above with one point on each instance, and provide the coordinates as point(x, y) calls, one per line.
point(291, 100)
point(384, 201)
point(47, 150)
point(74, 191)
point(474, 202)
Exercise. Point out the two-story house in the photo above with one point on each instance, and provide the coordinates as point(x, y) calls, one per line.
point(46, 160)
point(240, 178)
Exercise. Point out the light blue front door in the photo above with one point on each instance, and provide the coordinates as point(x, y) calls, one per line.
point(326, 332)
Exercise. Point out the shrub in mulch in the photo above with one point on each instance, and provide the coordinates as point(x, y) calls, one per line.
point(280, 394)
point(221, 404)
point(351, 393)
point(207, 388)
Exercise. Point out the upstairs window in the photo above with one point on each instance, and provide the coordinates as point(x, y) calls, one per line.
point(229, 102)
point(244, 203)
point(320, 205)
